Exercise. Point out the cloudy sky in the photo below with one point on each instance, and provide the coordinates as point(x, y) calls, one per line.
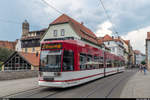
point(129, 17)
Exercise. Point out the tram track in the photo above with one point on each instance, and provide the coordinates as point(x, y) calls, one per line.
point(117, 84)
point(101, 86)
point(117, 81)
point(17, 93)
point(70, 93)
point(73, 92)
point(39, 92)
point(106, 78)
point(7, 96)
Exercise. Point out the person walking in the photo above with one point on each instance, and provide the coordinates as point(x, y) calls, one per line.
point(144, 69)
point(140, 67)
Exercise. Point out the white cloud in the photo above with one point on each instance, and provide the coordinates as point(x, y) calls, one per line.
point(137, 38)
point(104, 29)
point(84, 10)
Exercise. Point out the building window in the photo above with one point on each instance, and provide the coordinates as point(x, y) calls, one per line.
point(26, 42)
point(33, 49)
point(62, 32)
point(34, 34)
point(108, 43)
point(55, 33)
point(26, 50)
point(113, 49)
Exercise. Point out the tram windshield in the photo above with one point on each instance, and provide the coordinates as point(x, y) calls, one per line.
point(50, 61)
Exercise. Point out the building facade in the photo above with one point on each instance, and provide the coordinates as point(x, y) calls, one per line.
point(21, 61)
point(30, 40)
point(115, 45)
point(64, 27)
point(8, 44)
point(148, 50)
point(139, 57)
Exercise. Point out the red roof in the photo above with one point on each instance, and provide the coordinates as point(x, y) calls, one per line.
point(8, 45)
point(80, 29)
point(31, 58)
point(100, 41)
point(127, 42)
point(107, 38)
point(137, 52)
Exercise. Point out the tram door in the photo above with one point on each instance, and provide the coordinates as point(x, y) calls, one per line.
point(68, 60)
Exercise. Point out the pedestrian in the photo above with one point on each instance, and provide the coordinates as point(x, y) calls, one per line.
point(140, 67)
point(144, 68)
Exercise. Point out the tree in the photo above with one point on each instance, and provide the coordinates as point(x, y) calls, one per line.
point(1, 65)
point(4, 54)
point(143, 62)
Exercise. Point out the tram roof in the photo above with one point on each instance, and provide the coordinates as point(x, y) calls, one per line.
point(77, 42)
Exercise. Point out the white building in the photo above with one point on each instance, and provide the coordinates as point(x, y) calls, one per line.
point(18, 45)
point(139, 57)
point(115, 44)
point(65, 27)
point(148, 50)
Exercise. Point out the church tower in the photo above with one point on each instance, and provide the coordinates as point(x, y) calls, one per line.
point(25, 28)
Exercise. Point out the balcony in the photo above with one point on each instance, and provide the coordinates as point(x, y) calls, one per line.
point(23, 45)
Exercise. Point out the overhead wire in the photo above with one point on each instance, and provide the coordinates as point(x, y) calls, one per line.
point(60, 12)
point(18, 23)
point(109, 18)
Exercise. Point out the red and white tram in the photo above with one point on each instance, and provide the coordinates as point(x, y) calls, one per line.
point(66, 63)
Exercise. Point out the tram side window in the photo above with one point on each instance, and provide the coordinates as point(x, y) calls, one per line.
point(89, 60)
point(101, 62)
point(116, 63)
point(83, 60)
point(68, 61)
point(109, 63)
point(123, 63)
point(96, 60)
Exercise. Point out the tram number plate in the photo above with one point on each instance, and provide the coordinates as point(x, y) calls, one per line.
point(48, 78)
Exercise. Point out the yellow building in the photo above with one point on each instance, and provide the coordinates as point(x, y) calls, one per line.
point(30, 40)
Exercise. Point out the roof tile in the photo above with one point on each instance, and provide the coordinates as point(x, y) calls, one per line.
point(31, 58)
point(8, 45)
point(81, 30)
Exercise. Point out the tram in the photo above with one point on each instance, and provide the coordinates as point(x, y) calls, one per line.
point(66, 63)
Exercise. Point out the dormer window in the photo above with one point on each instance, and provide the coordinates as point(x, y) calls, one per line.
point(55, 33)
point(34, 34)
point(62, 32)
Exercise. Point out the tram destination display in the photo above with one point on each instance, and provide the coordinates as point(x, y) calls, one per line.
point(51, 46)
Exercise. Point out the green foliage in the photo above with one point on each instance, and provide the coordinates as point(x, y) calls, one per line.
point(1, 66)
point(4, 54)
point(143, 62)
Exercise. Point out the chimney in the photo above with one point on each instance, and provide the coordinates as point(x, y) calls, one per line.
point(25, 28)
point(148, 34)
point(82, 23)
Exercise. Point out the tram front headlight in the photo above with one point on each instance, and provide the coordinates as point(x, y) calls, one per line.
point(41, 74)
point(57, 73)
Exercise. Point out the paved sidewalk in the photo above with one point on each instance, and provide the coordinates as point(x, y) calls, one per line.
point(14, 86)
point(137, 87)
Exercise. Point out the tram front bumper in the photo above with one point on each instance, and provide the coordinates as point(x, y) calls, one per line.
point(52, 84)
